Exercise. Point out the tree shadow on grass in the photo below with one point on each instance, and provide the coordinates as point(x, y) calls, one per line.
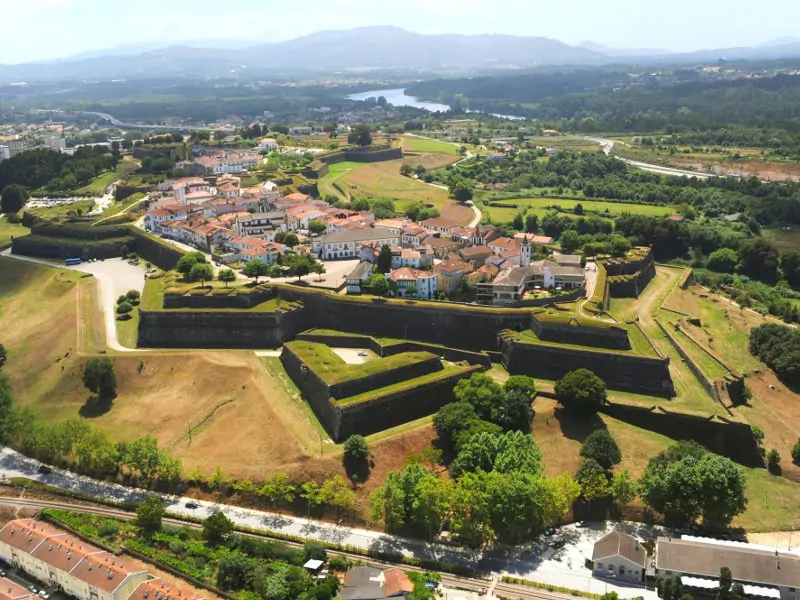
point(578, 426)
point(97, 405)
point(358, 470)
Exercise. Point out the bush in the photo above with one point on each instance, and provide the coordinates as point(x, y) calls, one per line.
point(602, 447)
point(123, 308)
point(774, 462)
point(581, 391)
point(796, 452)
point(99, 376)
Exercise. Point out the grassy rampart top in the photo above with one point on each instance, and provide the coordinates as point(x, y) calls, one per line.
point(332, 369)
point(409, 384)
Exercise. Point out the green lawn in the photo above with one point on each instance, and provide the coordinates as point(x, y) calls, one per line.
point(62, 210)
point(332, 369)
point(335, 172)
point(773, 503)
point(128, 330)
point(99, 184)
point(9, 230)
point(540, 206)
point(414, 144)
point(784, 239)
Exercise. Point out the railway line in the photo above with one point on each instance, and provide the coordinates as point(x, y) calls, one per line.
point(472, 584)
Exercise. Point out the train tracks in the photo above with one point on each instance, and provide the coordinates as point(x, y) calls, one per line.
point(472, 584)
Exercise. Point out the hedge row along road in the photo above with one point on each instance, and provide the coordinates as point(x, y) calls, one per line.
point(13, 464)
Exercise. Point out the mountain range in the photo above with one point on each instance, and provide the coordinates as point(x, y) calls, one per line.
point(360, 49)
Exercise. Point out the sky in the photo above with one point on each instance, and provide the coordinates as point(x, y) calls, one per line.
point(48, 29)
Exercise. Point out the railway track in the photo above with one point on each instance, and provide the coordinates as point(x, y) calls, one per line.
point(472, 584)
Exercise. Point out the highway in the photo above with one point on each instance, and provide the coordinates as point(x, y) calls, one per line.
point(118, 123)
point(608, 147)
point(473, 584)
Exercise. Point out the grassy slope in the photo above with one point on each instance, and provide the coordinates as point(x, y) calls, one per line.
point(414, 144)
point(9, 230)
point(98, 185)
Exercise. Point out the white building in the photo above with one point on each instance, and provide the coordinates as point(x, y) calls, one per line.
point(5, 153)
point(415, 283)
point(619, 556)
point(346, 244)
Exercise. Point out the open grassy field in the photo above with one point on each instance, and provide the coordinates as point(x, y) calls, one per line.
point(383, 180)
point(540, 206)
point(690, 393)
point(573, 144)
point(62, 210)
point(415, 144)
point(332, 369)
point(9, 230)
point(98, 185)
point(784, 239)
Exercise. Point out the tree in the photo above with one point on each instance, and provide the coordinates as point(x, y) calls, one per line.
point(669, 587)
point(216, 528)
point(3, 355)
point(13, 198)
point(406, 170)
point(383, 208)
point(518, 223)
point(149, 514)
point(277, 489)
point(569, 241)
point(234, 572)
point(758, 259)
point(188, 261)
point(360, 135)
point(227, 276)
point(384, 263)
point(356, 448)
point(601, 446)
point(430, 504)
point(774, 462)
point(790, 265)
point(255, 268)
point(299, 265)
point(723, 260)
point(314, 551)
point(462, 190)
point(581, 391)
point(592, 478)
point(337, 493)
point(514, 411)
point(99, 377)
point(360, 204)
point(578, 210)
point(378, 284)
point(725, 583)
point(796, 452)
point(6, 400)
point(623, 488)
point(685, 482)
point(453, 418)
point(531, 223)
point(316, 227)
point(513, 451)
point(310, 492)
point(481, 391)
point(290, 239)
point(124, 308)
point(620, 246)
point(202, 273)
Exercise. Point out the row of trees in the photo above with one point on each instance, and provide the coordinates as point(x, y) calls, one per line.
point(779, 347)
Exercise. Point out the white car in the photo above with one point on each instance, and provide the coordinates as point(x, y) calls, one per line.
point(362, 353)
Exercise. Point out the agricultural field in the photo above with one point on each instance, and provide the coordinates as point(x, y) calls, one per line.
point(540, 206)
point(383, 180)
point(572, 144)
point(416, 144)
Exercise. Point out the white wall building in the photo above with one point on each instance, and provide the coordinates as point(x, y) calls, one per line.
point(346, 244)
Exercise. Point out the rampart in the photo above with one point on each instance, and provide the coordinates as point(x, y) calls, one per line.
point(728, 438)
point(382, 411)
point(574, 332)
point(627, 372)
point(220, 299)
point(206, 329)
point(627, 279)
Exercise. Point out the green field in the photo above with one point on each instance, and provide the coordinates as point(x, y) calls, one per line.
point(332, 369)
point(335, 172)
point(784, 239)
point(9, 230)
point(99, 184)
point(540, 206)
point(414, 144)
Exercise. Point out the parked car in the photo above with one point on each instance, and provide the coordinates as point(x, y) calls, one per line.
point(44, 595)
point(557, 544)
point(549, 531)
point(32, 589)
point(45, 470)
point(362, 353)
point(192, 505)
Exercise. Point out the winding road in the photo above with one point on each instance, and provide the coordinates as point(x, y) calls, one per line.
point(608, 147)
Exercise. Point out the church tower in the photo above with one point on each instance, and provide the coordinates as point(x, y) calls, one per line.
point(525, 253)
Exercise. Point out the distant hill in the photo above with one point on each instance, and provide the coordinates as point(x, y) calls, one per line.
point(361, 48)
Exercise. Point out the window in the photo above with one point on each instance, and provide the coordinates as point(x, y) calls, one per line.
point(599, 566)
point(622, 571)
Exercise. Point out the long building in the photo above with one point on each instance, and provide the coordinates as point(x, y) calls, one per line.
point(64, 562)
point(346, 244)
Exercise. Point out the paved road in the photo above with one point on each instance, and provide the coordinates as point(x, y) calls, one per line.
point(608, 146)
point(114, 277)
point(119, 123)
point(478, 216)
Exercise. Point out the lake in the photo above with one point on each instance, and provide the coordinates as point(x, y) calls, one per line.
point(397, 97)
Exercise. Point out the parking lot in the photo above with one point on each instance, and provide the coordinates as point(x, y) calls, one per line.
point(21, 578)
point(564, 559)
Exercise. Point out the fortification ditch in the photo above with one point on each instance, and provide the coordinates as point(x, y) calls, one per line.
point(728, 438)
point(626, 372)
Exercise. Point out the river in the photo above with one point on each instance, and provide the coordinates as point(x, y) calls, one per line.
point(397, 97)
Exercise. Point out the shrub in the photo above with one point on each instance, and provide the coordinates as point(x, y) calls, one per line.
point(602, 447)
point(774, 462)
point(581, 391)
point(796, 452)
